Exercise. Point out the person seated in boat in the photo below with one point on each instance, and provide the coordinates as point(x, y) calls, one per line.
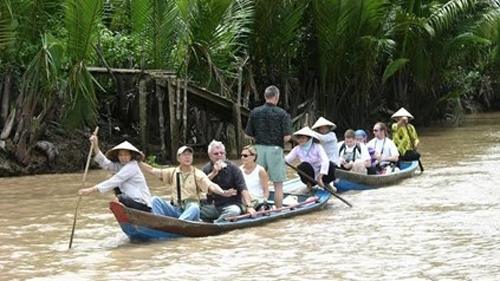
point(385, 150)
point(228, 176)
point(327, 138)
point(186, 183)
point(354, 156)
point(256, 178)
point(123, 160)
point(313, 159)
point(405, 136)
point(361, 136)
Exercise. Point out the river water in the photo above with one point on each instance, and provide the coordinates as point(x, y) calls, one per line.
point(441, 225)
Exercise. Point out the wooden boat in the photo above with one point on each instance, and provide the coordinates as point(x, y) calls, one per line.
point(143, 226)
point(346, 180)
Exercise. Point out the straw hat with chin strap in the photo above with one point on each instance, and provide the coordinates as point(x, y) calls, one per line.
point(306, 131)
point(113, 152)
point(324, 122)
point(402, 112)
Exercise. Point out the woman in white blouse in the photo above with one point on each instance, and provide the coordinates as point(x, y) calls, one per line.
point(122, 160)
point(255, 175)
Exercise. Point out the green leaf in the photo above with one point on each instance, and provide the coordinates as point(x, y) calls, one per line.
point(394, 67)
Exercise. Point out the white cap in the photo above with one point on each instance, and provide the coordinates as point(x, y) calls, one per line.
point(402, 112)
point(184, 148)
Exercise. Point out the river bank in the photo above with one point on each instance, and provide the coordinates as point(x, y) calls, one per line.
point(60, 151)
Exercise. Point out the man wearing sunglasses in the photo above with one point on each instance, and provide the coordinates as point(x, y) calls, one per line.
point(385, 150)
point(228, 176)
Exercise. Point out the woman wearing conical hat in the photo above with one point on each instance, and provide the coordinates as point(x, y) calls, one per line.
point(122, 160)
point(327, 138)
point(313, 159)
point(405, 136)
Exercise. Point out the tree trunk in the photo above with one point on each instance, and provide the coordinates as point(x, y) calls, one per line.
point(184, 113)
point(143, 112)
point(5, 97)
point(174, 135)
point(161, 118)
point(39, 131)
point(237, 115)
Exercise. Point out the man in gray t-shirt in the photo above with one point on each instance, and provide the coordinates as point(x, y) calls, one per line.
point(270, 127)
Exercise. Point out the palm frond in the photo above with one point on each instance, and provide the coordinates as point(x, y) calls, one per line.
point(82, 18)
point(82, 105)
point(8, 24)
point(447, 14)
point(394, 67)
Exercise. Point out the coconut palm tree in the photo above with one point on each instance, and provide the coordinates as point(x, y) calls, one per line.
point(55, 81)
point(431, 35)
point(350, 42)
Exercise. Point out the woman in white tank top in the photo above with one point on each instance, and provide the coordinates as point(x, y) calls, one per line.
point(256, 177)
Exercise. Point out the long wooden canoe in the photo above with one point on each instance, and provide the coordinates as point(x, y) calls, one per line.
point(346, 180)
point(143, 226)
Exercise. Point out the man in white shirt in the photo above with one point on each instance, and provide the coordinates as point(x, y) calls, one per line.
point(385, 149)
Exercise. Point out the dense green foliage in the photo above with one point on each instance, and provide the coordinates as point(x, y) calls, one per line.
point(347, 60)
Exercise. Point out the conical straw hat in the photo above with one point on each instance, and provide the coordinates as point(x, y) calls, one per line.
point(402, 112)
point(113, 152)
point(323, 122)
point(306, 131)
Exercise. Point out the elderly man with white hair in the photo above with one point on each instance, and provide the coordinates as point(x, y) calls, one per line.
point(228, 176)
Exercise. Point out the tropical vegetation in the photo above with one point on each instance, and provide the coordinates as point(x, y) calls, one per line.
point(351, 61)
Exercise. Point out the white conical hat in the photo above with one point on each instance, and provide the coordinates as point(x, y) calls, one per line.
point(113, 152)
point(306, 131)
point(324, 122)
point(402, 112)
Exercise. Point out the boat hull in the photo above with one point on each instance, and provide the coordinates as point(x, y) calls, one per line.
point(143, 226)
point(346, 180)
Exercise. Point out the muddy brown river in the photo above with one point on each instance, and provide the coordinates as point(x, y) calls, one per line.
point(441, 225)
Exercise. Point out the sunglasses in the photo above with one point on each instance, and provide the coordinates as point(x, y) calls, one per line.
point(245, 155)
point(218, 153)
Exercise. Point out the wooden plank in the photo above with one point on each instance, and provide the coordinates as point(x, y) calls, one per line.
point(267, 212)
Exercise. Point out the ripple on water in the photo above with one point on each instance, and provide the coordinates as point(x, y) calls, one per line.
point(440, 225)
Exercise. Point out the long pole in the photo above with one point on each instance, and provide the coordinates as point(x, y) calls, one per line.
point(83, 184)
point(326, 187)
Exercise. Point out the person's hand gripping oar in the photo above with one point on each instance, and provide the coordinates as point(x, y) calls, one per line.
point(327, 187)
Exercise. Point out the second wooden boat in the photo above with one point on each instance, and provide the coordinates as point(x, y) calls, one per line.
point(346, 180)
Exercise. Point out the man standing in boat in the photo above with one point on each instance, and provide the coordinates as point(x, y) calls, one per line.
point(270, 127)
point(186, 184)
point(228, 176)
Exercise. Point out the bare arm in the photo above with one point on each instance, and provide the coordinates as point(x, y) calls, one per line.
point(247, 201)
point(152, 171)
point(215, 188)
point(264, 181)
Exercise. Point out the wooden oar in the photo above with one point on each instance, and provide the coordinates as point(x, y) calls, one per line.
point(265, 212)
point(327, 187)
point(420, 165)
point(83, 184)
